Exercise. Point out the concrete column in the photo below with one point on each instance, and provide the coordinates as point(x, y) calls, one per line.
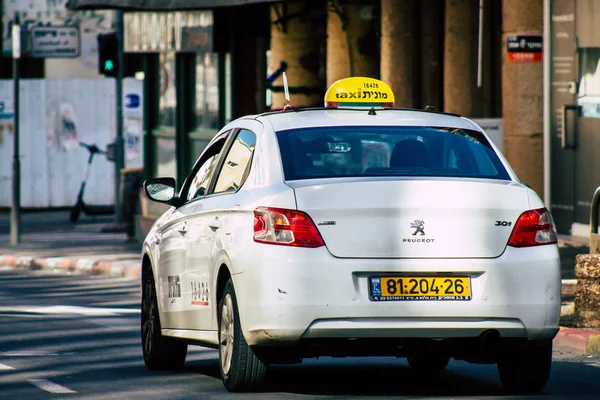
point(460, 46)
point(298, 39)
point(522, 95)
point(397, 50)
point(431, 44)
point(351, 40)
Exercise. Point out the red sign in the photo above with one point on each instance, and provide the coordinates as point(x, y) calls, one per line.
point(524, 48)
point(524, 57)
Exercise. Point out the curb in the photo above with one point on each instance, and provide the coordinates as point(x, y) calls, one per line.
point(586, 342)
point(112, 268)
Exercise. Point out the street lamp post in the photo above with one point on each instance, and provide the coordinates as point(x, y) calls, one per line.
point(15, 214)
point(120, 148)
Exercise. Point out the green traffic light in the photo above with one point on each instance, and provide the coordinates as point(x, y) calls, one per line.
point(109, 65)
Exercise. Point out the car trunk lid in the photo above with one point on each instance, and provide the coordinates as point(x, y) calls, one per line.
point(412, 218)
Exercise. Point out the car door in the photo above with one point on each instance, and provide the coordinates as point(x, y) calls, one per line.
point(171, 251)
point(210, 237)
point(175, 250)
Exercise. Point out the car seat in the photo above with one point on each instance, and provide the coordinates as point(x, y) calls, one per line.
point(410, 153)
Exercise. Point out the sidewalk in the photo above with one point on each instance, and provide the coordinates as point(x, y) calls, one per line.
point(49, 241)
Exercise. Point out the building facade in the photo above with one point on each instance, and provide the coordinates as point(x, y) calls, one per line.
point(525, 68)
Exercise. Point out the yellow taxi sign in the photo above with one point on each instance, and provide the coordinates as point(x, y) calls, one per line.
point(359, 92)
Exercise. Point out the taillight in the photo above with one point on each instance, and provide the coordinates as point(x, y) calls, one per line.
point(533, 228)
point(285, 227)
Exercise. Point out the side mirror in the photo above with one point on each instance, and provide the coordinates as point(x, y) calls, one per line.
point(161, 190)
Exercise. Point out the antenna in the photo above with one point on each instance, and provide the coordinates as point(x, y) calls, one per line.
point(287, 93)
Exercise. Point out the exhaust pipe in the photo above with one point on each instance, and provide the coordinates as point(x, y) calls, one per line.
point(489, 338)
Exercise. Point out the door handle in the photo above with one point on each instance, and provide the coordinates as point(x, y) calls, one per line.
point(565, 143)
point(183, 230)
point(215, 224)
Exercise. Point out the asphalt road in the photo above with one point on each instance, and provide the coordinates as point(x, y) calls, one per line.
point(78, 337)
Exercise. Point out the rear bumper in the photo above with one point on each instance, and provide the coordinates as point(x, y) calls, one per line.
point(287, 295)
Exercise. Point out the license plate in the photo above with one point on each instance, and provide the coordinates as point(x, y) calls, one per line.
point(390, 288)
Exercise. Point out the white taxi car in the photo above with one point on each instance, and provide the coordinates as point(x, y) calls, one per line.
point(356, 229)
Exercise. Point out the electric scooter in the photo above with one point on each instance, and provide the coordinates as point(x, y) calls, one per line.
point(80, 204)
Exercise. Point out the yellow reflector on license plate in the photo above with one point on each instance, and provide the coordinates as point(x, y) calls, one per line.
point(386, 288)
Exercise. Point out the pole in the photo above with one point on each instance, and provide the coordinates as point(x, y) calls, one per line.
point(15, 214)
point(547, 41)
point(480, 46)
point(119, 147)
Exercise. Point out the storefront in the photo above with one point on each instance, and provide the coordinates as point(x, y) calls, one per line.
point(186, 86)
point(188, 51)
point(574, 111)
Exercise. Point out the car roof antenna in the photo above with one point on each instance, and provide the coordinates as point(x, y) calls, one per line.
point(286, 90)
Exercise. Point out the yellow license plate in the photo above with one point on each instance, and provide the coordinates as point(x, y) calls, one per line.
point(384, 288)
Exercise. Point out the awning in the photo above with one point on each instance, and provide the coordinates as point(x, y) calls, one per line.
point(158, 5)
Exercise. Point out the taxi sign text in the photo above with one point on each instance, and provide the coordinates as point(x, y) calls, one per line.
point(367, 94)
point(359, 92)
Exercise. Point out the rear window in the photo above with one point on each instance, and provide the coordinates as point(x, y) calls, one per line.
point(343, 151)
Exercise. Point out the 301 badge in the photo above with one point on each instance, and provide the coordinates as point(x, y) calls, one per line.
point(200, 293)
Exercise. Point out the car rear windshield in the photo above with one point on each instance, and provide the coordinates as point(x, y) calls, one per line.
point(354, 151)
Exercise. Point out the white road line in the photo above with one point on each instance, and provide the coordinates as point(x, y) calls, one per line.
point(87, 311)
point(50, 386)
point(4, 367)
point(28, 354)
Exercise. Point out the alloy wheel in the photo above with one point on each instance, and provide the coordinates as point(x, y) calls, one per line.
point(226, 334)
point(148, 312)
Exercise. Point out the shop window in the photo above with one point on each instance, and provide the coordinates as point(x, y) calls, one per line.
point(168, 99)
point(207, 91)
point(165, 156)
point(206, 109)
point(589, 85)
point(165, 133)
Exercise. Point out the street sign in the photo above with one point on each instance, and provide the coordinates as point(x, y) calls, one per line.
point(524, 48)
point(55, 42)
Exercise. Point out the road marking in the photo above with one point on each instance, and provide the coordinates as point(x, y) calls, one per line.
point(27, 353)
point(4, 367)
point(50, 386)
point(88, 311)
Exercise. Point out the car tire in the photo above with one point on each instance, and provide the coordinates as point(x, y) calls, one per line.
point(160, 352)
point(527, 369)
point(241, 369)
point(428, 362)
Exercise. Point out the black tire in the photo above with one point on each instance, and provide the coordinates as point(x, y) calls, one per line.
point(428, 362)
point(75, 213)
point(526, 370)
point(160, 352)
point(244, 372)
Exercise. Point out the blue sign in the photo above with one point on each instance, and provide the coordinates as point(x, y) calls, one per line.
point(132, 100)
point(4, 113)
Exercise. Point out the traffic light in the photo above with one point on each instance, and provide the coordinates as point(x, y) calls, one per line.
point(108, 53)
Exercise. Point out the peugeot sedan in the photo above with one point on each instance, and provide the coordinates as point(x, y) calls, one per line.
point(349, 231)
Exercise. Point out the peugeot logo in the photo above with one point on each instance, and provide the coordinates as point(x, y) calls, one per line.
point(419, 227)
